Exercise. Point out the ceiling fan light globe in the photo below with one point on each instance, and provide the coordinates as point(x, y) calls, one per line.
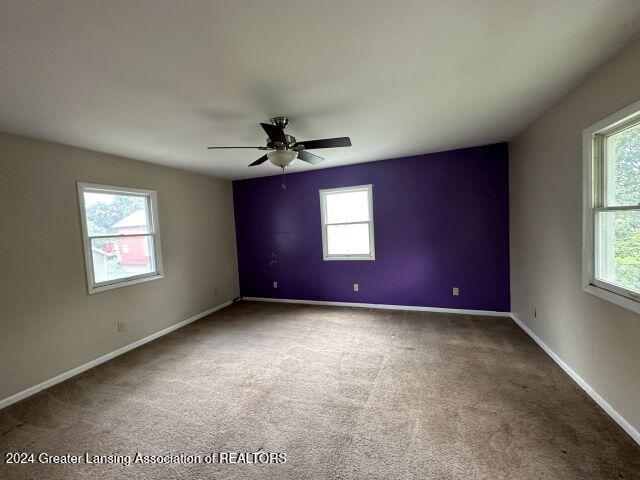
point(282, 158)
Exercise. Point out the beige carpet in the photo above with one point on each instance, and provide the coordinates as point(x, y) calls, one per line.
point(345, 393)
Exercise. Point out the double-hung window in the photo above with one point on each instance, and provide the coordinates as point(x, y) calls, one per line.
point(611, 267)
point(347, 223)
point(121, 236)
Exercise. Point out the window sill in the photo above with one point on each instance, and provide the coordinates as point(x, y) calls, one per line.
point(124, 283)
point(612, 297)
point(352, 257)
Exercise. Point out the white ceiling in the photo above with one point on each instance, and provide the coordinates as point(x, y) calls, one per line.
point(160, 80)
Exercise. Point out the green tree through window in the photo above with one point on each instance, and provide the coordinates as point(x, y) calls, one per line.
point(102, 215)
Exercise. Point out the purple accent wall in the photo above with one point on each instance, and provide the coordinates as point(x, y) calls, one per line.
point(441, 221)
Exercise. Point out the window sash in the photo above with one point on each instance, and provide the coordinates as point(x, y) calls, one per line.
point(151, 216)
point(349, 255)
point(155, 253)
point(152, 259)
point(600, 165)
point(598, 253)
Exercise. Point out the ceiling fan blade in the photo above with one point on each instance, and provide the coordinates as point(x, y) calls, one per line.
point(326, 143)
point(309, 157)
point(276, 134)
point(259, 161)
point(214, 148)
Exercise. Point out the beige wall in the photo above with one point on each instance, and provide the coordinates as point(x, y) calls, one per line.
point(48, 322)
point(600, 341)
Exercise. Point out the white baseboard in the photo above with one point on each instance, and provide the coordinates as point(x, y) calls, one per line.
point(619, 419)
point(97, 361)
point(382, 306)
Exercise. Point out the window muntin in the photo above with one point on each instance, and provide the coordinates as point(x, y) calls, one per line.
point(347, 223)
point(614, 217)
point(121, 236)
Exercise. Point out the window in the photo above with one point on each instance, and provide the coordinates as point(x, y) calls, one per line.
point(611, 266)
point(347, 223)
point(121, 236)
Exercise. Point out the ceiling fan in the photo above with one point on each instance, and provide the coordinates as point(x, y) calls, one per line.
point(283, 149)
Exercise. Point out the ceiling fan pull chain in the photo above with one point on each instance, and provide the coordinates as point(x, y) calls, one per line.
point(284, 187)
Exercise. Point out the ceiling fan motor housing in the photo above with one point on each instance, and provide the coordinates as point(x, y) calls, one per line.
point(290, 141)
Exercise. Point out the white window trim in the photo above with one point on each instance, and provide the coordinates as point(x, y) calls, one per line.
point(590, 161)
point(323, 210)
point(152, 196)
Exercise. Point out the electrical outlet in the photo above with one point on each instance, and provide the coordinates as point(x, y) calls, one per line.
point(120, 326)
point(456, 291)
point(275, 284)
point(356, 287)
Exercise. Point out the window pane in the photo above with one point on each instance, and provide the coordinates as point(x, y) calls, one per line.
point(622, 174)
point(121, 257)
point(618, 248)
point(347, 207)
point(348, 239)
point(116, 214)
